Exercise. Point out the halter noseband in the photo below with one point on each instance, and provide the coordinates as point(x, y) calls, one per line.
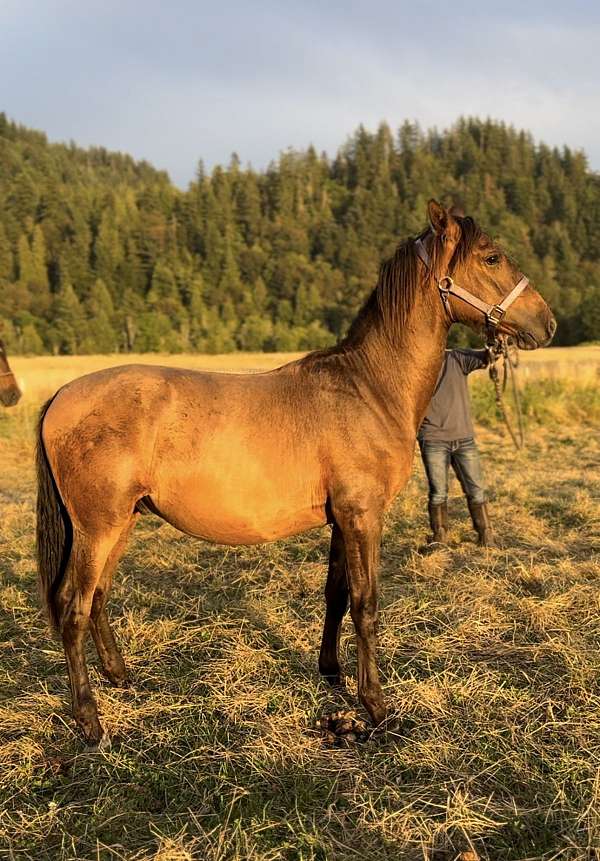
point(7, 374)
point(493, 313)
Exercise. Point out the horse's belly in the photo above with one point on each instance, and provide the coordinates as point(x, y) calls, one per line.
point(242, 529)
point(230, 525)
point(235, 509)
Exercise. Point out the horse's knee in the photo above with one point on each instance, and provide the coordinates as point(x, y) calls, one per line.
point(360, 520)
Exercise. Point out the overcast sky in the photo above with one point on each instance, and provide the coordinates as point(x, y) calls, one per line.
point(173, 81)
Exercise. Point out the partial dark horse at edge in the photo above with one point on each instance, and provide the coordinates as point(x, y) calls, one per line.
point(10, 393)
point(241, 459)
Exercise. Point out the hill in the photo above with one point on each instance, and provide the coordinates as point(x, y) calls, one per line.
point(100, 253)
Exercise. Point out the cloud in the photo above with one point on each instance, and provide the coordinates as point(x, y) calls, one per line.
point(178, 82)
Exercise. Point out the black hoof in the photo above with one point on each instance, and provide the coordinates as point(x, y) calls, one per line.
point(330, 673)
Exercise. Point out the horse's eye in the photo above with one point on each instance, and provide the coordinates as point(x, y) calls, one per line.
point(492, 259)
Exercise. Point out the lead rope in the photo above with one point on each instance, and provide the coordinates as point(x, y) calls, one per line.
point(500, 347)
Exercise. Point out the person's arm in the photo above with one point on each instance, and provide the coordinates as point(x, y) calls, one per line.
point(471, 360)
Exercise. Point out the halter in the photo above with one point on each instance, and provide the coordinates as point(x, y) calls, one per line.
point(493, 313)
point(7, 374)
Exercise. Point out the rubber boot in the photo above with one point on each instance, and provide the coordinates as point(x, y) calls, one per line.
point(438, 518)
point(481, 523)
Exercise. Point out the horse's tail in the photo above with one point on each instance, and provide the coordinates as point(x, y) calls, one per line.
point(54, 529)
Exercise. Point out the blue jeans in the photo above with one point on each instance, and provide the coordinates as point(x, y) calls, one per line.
point(463, 456)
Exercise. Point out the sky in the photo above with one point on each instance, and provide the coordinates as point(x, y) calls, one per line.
point(174, 82)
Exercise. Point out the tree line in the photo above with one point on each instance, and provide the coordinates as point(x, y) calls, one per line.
point(101, 253)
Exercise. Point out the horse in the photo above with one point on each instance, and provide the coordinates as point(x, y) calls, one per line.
point(250, 458)
point(10, 393)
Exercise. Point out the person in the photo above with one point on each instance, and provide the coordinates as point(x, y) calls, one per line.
point(447, 438)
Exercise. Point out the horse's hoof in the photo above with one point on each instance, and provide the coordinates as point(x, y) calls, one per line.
point(342, 729)
point(394, 727)
point(376, 708)
point(334, 680)
point(118, 681)
point(390, 724)
point(102, 745)
point(86, 718)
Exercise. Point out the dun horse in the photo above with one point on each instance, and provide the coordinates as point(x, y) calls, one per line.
point(241, 459)
point(10, 392)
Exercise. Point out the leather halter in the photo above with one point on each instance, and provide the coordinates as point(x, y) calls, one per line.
point(493, 313)
point(7, 374)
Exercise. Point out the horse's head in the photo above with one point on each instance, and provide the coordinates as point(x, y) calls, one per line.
point(10, 392)
point(479, 284)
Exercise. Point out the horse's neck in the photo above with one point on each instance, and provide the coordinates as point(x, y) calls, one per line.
point(403, 372)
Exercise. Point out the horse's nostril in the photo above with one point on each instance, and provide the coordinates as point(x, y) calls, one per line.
point(552, 327)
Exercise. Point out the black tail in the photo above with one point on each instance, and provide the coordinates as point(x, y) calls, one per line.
point(54, 529)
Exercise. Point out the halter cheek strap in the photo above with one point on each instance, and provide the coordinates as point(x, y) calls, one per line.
point(422, 252)
point(493, 313)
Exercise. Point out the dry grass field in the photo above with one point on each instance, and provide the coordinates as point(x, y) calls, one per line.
point(490, 660)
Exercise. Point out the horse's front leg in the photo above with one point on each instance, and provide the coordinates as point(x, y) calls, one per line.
point(361, 529)
point(336, 598)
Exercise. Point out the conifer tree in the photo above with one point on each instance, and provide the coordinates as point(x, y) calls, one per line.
point(7, 266)
point(68, 330)
point(102, 252)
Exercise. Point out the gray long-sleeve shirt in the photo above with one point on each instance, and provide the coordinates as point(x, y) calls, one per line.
point(448, 415)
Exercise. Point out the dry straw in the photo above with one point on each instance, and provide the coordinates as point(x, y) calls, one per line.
point(491, 660)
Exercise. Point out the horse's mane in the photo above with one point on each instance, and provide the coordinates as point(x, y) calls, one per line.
point(392, 300)
point(394, 295)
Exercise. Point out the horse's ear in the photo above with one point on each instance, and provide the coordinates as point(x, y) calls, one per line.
point(443, 224)
point(437, 216)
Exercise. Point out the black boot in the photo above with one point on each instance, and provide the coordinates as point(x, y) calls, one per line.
point(481, 523)
point(438, 518)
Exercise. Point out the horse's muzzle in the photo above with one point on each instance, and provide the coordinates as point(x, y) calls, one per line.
point(528, 340)
point(11, 396)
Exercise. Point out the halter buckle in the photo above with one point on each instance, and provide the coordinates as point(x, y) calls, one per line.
point(445, 285)
point(494, 315)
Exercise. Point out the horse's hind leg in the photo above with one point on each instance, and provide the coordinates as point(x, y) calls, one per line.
point(74, 603)
point(113, 665)
point(336, 597)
